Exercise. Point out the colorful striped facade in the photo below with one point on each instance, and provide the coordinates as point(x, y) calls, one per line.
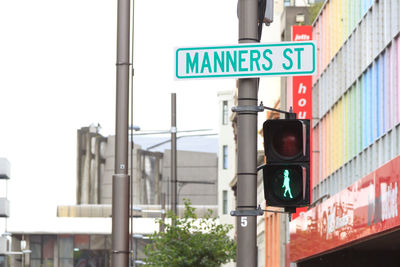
point(356, 92)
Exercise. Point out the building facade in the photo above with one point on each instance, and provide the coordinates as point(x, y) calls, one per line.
point(5, 175)
point(356, 138)
point(226, 160)
point(150, 171)
point(80, 235)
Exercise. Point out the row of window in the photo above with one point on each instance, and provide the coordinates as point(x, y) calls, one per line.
point(225, 120)
point(356, 92)
point(340, 18)
point(71, 250)
point(363, 47)
point(386, 148)
point(368, 109)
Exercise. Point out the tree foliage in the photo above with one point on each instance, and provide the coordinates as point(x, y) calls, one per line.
point(314, 10)
point(192, 241)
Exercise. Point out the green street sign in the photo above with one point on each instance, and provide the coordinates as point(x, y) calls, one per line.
point(246, 60)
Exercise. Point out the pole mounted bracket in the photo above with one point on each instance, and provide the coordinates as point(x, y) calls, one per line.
point(260, 212)
point(247, 109)
point(256, 212)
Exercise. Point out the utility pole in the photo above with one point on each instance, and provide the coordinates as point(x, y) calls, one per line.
point(121, 183)
point(247, 144)
point(174, 200)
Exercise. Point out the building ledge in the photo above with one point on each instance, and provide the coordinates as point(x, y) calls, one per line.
point(145, 211)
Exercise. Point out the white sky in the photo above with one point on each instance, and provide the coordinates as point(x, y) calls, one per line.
point(57, 74)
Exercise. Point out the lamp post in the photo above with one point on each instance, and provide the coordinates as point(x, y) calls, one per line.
point(173, 157)
point(120, 178)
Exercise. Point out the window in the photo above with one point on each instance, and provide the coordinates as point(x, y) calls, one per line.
point(2, 261)
point(48, 243)
point(92, 250)
point(65, 250)
point(224, 112)
point(225, 202)
point(225, 157)
point(42, 250)
point(36, 247)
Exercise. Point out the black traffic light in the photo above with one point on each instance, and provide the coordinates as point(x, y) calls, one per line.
point(287, 172)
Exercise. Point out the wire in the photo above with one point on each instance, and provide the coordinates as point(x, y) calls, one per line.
point(169, 140)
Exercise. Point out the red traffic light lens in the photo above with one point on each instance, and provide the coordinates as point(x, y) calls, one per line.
point(289, 142)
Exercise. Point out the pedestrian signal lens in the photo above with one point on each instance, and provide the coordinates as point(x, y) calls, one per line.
point(286, 184)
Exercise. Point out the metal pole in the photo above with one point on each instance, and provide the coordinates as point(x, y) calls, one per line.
point(174, 200)
point(132, 146)
point(121, 183)
point(163, 213)
point(247, 144)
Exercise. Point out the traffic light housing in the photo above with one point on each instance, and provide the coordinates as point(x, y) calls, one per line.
point(287, 172)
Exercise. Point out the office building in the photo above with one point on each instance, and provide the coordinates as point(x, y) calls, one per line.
point(356, 139)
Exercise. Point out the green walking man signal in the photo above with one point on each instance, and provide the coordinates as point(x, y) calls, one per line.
point(286, 183)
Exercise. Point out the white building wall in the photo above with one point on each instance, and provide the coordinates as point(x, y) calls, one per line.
point(225, 175)
point(4, 202)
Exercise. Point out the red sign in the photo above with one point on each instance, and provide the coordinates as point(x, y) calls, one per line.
point(302, 96)
point(302, 32)
point(368, 207)
point(302, 89)
point(302, 85)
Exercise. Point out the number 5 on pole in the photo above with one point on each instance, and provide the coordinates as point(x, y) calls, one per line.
point(243, 221)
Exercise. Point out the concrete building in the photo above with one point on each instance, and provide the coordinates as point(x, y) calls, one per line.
point(80, 235)
point(150, 170)
point(68, 242)
point(226, 160)
point(196, 176)
point(355, 217)
point(291, 15)
point(272, 228)
point(5, 175)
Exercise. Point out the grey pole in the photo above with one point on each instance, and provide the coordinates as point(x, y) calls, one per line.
point(163, 213)
point(247, 145)
point(121, 183)
point(173, 156)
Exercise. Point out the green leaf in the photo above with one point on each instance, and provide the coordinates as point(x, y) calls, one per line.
point(192, 241)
